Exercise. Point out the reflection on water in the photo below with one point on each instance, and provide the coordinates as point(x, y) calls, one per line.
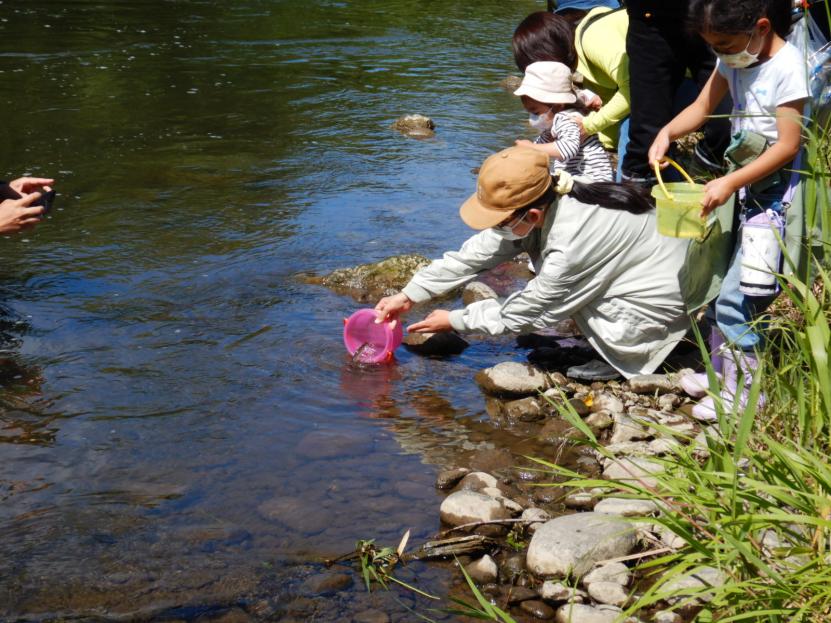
point(183, 435)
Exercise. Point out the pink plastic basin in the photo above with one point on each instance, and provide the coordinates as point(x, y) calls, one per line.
point(376, 342)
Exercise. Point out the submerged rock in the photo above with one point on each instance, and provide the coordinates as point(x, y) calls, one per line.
point(510, 83)
point(571, 545)
point(371, 282)
point(416, 126)
point(435, 344)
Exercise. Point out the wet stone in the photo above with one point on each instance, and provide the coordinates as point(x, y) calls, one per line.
point(371, 616)
point(415, 125)
point(518, 594)
point(462, 507)
point(524, 410)
point(477, 291)
point(513, 378)
point(492, 460)
point(557, 591)
point(413, 490)
point(330, 445)
point(296, 513)
point(513, 566)
point(483, 571)
point(326, 583)
point(435, 344)
point(449, 478)
point(511, 83)
point(651, 383)
point(476, 481)
point(537, 609)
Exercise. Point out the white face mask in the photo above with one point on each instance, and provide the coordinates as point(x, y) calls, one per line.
point(540, 122)
point(506, 232)
point(742, 59)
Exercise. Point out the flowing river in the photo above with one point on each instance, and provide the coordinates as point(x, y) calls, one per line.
point(184, 437)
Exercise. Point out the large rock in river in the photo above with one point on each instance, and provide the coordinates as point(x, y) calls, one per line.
point(513, 378)
point(371, 282)
point(415, 125)
point(570, 545)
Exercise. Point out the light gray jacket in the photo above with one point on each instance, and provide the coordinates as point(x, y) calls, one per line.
point(609, 270)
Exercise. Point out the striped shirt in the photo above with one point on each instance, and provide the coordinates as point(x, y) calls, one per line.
point(588, 160)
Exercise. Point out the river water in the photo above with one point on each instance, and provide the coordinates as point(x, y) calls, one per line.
point(183, 436)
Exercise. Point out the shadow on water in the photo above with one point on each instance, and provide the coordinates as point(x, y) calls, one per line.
point(182, 436)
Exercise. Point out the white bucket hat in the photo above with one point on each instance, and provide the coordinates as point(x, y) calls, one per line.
point(548, 82)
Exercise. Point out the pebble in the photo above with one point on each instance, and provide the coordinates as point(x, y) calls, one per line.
point(579, 613)
point(601, 420)
point(667, 616)
point(610, 593)
point(326, 583)
point(371, 616)
point(626, 507)
point(518, 594)
point(483, 571)
point(462, 507)
point(537, 609)
point(611, 572)
point(448, 478)
point(512, 377)
point(603, 401)
point(476, 481)
point(557, 591)
point(651, 383)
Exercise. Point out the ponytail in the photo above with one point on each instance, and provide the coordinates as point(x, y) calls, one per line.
point(612, 195)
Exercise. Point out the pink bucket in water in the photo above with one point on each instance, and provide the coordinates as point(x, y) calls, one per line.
point(368, 341)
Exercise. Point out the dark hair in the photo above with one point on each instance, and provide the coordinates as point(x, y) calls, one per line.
point(544, 36)
point(612, 195)
point(739, 16)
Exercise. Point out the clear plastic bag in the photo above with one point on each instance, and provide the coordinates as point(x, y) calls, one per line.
point(808, 38)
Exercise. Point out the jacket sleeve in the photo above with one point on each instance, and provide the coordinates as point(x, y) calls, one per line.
point(481, 252)
point(618, 106)
point(558, 291)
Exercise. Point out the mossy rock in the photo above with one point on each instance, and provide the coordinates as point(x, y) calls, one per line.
point(371, 282)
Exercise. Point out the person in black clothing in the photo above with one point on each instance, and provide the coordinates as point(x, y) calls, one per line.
point(660, 52)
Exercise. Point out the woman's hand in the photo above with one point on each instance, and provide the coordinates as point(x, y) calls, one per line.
point(578, 119)
point(659, 148)
point(390, 307)
point(436, 322)
point(717, 192)
point(25, 185)
point(16, 215)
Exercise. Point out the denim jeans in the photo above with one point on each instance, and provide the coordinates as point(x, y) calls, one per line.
point(736, 311)
point(622, 142)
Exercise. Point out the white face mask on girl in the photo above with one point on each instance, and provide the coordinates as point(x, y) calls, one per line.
point(740, 60)
point(540, 122)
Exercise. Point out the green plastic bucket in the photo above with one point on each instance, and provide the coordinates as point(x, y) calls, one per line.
point(678, 207)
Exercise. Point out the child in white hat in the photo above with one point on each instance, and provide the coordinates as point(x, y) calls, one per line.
point(548, 94)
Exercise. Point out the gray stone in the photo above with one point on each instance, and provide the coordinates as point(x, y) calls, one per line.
point(462, 507)
point(518, 594)
point(627, 429)
point(599, 421)
point(414, 125)
point(610, 593)
point(321, 444)
point(570, 545)
point(483, 571)
point(448, 478)
point(651, 383)
point(610, 572)
point(603, 401)
point(476, 481)
point(477, 291)
point(579, 613)
point(536, 515)
point(326, 583)
point(667, 616)
point(512, 377)
point(298, 514)
point(663, 445)
point(633, 469)
point(668, 402)
point(630, 448)
point(557, 591)
point(371, 616)
point(625, 507)
point(526, 409)
point(511, 83)
point(496, 493)
point(537, 609)
point(581, 499)
point(435, 344)
point(682, 587)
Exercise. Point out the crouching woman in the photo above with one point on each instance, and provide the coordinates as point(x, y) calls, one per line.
point(597, 255)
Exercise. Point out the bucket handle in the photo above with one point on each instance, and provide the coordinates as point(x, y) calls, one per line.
point(657, 168)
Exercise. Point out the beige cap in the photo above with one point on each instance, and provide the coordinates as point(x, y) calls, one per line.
point(508, 180)
point(548, 82)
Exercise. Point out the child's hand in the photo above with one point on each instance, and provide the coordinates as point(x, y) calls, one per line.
point(716, 192)
point(659, 148)
point(524, 142)
point(578, 119)
point(595, 103)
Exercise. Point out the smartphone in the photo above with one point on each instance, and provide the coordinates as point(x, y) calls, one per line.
point(45, 200)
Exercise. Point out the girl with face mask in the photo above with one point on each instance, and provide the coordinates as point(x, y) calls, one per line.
point(766, 77)
point(549, 96)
